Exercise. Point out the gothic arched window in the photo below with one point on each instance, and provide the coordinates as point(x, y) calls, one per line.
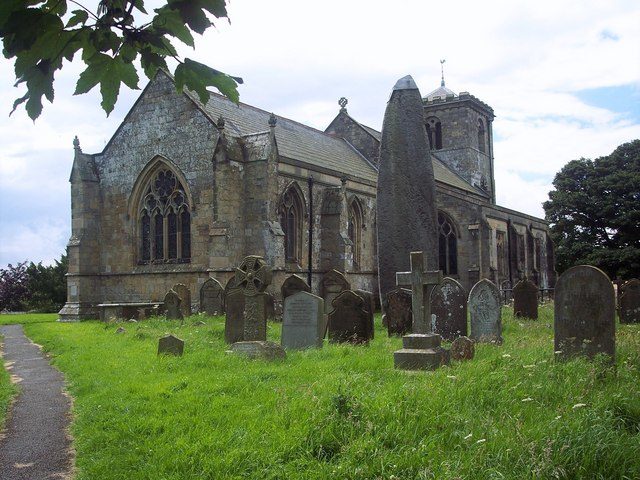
point(165, 221)
point(354, 230)
point(291, 212)
point(447, 245)
point(434, 133)
point(481, 136)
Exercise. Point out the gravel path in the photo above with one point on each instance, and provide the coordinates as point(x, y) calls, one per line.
point(35, 444)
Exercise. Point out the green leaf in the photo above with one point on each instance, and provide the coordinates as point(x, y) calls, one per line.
point(39, 80)
point(58, 7)
point(23, 28)
point(197, 77)
point(217, 8)
point(170, 22)
point(79, 17)
point(139, 5)
point(109, 72)
point(192, 14)
point(151, 62)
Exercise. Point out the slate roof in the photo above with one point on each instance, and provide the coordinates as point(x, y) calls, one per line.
point(295, 140)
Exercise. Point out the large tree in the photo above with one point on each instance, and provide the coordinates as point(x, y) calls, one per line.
point(594, 212)
point(42, 34)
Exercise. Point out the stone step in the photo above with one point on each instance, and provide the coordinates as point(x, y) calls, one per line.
point(420, 359)
point(421, 340)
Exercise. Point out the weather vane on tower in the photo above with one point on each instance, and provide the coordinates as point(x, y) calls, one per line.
point(442, 71)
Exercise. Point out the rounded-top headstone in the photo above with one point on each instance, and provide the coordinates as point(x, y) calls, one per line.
point(292, 285)
point(629, 305)
point(485, 309)
point(584, 313)
point(525, 299)
point(449, 305)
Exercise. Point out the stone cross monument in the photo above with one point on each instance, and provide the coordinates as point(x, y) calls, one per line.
point(253, 276)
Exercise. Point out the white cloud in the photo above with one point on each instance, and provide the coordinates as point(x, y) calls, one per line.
point(525, 59)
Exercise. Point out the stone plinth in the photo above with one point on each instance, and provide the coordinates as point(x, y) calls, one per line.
point(420, 352)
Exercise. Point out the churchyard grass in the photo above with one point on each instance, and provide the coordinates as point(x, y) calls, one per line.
point(11, 318)
point(7, 391)
point(343, 411)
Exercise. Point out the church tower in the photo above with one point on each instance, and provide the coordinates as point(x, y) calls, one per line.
point(459, 128)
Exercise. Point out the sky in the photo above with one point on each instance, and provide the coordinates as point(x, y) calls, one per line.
point(563, 78)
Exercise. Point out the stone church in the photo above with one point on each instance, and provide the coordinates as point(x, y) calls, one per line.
point(184, 191)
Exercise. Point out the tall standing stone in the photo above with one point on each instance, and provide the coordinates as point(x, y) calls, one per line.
point(629, 304)
point(253, 276)
point(584, 313)
point(212, 297)
point(525, 299)
point(485, 309)
point(172, 303)
point(292, 285)
point(302, 321)
point(399, 314)
point(348, 321)
point(185, 296)
point(405, 208)
point(333, 283)
point(449, 305)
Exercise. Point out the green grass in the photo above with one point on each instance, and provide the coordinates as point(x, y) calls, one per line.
point(24, 318)
point(344, 412)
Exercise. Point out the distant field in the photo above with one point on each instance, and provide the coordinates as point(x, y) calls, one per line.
point(343, 412)
point(9, 318)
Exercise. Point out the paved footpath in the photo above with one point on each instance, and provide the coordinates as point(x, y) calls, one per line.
point(34, 444)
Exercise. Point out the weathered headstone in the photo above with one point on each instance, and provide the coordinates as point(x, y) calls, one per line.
point(333, 283)
point(212, 297)
point(485, 309)
point(258, 349)
point(170, 345)
point(525, 299)
point(253, 276)
point(185, 296)
point(302, 321)
point(369, 308)
point(172, 303)
point(293, 284)
point(405, 203)
point(399, 314)
point(584, 313)
point(629, 304)
point(449, 305)
point(349, 321)
point(270, 306)
point(463, 348)
point(234, 320)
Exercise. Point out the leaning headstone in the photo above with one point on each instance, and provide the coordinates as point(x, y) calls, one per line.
point(253, 277)
point(485, 309)
point(349, 321)
point(525, 299)
point(449, 305)
point(333, 283)
point(369, 308)
point(172, 303)
point(212, 297)
point(302, 321)
point(584, 313)
point(629, 304)
point(170, 345)
point(293, 284)
point(462, 348)
point(405, 204)
point(398, 314)
point(185, 296)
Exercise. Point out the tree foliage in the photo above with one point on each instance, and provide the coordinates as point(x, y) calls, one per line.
point(42, 34)
point(13, 286)
point(594, 212)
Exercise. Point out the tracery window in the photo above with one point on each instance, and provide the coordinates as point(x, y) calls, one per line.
point(354, 230)
point(291, 211)
point(165, 221)
point(447, 245)
point(501, 253)
point(434, 133)
point(481, 136)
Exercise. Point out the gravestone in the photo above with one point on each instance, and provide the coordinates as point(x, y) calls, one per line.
point(333, 283)
point(270, 306)
point(485, 309)
point(525, 299)
point(405, 203)
point(253, 277)
point(348, 321)
point(293, 284)
point(212, 297)
point(172, 306)
point(449, 305)
point(302, 321)
point(629, 304)
point(369, 306)
point(170, 345)
point(462, 348)
point(584, 313)
point(506, 291)
point(258, 349)
point(185, 296)
point(234, 320)
point(398, 314)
